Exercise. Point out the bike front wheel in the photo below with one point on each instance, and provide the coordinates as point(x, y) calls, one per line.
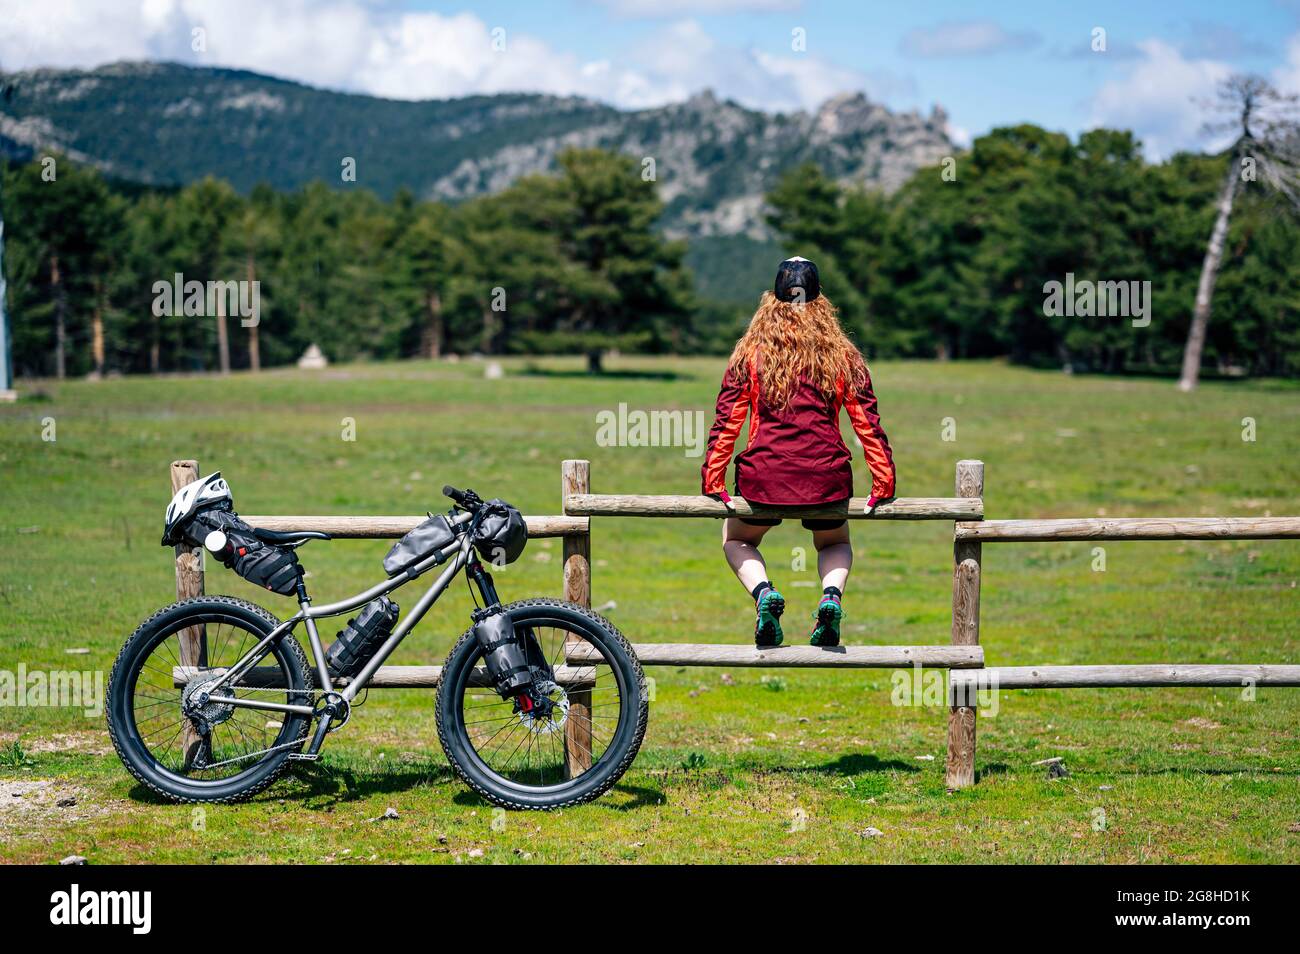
point(595, 719)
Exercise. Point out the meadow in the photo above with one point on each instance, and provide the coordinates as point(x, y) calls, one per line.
point(747, 765)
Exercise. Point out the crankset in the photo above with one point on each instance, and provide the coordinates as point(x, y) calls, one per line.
point(335, 706)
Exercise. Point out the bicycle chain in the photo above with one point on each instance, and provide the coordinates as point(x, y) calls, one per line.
point(275, 748)
point(250, 755)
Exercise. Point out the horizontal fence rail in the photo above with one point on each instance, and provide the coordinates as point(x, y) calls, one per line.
point(380, 528)
point(1084, 677)
point(386, 677)
point(1132, 528)
point(793, 657)
point(668, 505)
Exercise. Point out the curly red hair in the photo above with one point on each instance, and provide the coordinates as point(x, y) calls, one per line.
point(787, 340)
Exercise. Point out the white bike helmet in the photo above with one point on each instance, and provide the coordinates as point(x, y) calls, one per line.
point(210, 491)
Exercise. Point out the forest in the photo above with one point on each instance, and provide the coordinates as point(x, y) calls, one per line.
point(955, 264)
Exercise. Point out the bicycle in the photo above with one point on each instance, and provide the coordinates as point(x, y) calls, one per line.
point(218, 719)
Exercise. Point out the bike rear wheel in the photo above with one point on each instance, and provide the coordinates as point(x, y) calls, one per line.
point(222, 752)
point(570, 755)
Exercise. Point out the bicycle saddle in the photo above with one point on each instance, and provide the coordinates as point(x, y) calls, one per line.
point(289, 538)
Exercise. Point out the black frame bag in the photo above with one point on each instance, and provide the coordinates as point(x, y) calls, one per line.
point(423, 541)
point(501, 534)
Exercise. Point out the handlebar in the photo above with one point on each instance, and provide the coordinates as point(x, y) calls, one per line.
point(465, 498)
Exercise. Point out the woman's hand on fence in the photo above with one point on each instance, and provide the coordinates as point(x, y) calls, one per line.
point(873, 501)
point(725, 498)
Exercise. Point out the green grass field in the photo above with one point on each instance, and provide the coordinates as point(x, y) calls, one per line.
point(744, 765)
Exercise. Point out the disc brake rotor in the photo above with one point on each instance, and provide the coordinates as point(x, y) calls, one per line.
point(544, 723)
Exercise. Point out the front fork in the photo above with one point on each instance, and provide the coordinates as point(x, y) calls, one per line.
point(482, 579)
point(532, 651)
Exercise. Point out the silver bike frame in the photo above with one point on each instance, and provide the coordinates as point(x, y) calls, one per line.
point(457, 552)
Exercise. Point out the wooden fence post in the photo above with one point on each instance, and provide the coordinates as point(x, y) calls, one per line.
point(575, 478)
point(960, 764)
point(189, 582)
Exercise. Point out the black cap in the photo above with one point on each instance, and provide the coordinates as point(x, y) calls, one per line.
point(795, 274)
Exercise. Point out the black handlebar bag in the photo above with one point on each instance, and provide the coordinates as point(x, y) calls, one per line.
point(501, 534)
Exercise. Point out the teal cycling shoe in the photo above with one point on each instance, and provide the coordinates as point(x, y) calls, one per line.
point(827, 630)
point(767, 627)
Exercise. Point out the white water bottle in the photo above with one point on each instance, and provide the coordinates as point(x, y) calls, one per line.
point(216, 542)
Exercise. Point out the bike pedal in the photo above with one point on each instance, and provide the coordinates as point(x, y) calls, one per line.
point(303, 757)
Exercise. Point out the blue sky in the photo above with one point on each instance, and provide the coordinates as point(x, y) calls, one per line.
point(1035, 65)
point(988, 64)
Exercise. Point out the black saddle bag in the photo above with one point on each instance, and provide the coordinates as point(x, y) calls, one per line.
point(264, 564)
point(271, 567)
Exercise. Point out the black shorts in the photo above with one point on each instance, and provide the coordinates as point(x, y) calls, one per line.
point(807, 524)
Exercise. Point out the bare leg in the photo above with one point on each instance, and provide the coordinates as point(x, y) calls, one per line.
point(740, 545)
point(834, 555)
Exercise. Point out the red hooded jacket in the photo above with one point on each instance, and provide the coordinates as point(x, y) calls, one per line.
point(795, 455)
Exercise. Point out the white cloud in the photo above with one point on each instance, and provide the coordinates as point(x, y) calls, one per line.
point(1287, 76)
point(682, 58)
point(810, 82)
point(1162, 98)
point(676, 8)
point(68, 33)
point(968, 38)
point(360, 46)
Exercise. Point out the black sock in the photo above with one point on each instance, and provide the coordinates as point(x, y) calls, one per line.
point(762, 588)
point(833, 591)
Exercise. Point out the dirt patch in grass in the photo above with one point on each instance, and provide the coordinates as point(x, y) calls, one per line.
point(86, 743)
point(28, 805)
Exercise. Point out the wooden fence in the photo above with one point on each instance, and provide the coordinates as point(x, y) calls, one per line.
point(963, 655)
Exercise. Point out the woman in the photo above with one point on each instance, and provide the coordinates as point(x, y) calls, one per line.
point(790, 374)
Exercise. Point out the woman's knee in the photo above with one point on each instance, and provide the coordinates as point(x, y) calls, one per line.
point(830, 538)
point(735, 530)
